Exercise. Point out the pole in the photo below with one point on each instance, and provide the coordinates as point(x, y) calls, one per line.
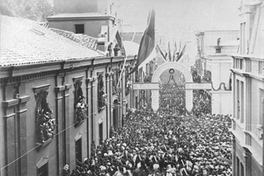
point(121, 72)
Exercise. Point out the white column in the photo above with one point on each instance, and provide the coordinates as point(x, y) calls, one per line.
point(155, 100)
point(189, 99)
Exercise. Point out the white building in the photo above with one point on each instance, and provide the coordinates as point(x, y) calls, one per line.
point(248, 92)
point(214, 49)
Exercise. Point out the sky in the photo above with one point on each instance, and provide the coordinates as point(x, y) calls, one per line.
point(181, 18)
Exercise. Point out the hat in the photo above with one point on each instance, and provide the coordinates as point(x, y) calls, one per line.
point(155, 166)
point(66, 167)
point(110, 153)
point(102, 168)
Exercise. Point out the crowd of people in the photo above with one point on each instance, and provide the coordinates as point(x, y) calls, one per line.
point(161, 143)
point(169, 142)
point(172, 97)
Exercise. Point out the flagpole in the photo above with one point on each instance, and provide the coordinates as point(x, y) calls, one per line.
point(121, 72)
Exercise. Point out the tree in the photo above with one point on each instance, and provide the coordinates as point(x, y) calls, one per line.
point(31, 9)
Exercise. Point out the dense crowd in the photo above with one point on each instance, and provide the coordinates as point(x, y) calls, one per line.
point(169, 142)
point(172, 97)
point(163, 144)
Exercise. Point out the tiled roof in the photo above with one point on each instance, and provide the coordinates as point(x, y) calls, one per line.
point(83, 39)
point(24, 42)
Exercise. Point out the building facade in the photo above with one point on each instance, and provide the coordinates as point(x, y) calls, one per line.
point(95, 18)
point(59, 99)
point(248, 92)
point(214, 48)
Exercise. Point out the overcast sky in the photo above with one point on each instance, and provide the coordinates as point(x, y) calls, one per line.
point(180, 18)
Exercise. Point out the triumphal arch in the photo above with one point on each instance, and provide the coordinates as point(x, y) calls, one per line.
point(155, 82)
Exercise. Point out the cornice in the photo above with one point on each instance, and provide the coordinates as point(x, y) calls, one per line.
point(9, 75)
point(70, 18)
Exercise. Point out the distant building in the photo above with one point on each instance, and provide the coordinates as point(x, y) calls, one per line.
point(248, 92)
point(213, 60)
point(96, 18)
point(59, 98)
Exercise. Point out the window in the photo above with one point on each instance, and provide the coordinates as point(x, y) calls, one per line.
point(242, 169)
point(101, 95)
point(43, 167)
point(100, 133)
point(242, 102)
point(43, 171)
point(243, 38)
point(261, 108)
point(80, 106)
point(237, 163)
point(79, 28)
point(238, 100)
point(240, 64)
point(260, 67)
point(78, 150)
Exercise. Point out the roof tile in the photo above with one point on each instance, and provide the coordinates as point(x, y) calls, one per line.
point(26, 42)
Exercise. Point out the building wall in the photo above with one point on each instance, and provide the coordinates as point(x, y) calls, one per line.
point(248, 112)
point(2, 139)
point(61, 96)
point(219, 64)
point(91, 27)
point(248, 71)
point(221, 102)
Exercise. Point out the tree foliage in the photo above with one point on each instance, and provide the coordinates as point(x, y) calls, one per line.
point(32, 9)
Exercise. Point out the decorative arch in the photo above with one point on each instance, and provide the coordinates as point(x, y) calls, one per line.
point(174, 65)
point(156, 77)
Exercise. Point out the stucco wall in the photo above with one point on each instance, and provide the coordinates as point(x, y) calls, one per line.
point(91, 27)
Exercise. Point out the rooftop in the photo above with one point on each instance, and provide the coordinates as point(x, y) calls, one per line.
point(79, 15)
point(25, 42)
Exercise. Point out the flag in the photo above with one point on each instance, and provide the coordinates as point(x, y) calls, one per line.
point(151, 56)
point(174, 52)
point(181, 52)
point(169, 52)
point(147, 42)
point(159, 52)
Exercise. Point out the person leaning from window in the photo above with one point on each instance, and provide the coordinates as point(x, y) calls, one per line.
point(109, 49)
point(116, 49)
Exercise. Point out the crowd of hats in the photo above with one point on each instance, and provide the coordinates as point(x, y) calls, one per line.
point(173, 100)
point(168, 142)
point(201, 103)
point(163, 144)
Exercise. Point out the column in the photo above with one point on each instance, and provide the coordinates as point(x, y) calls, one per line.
point(107, 103)
point(62, 120)
point(60, 138)
point(189, 99)
point(248, 103)
point(10, 136)
point(89, 114)
point(248, 159)
point(110, 99)
point(66, 106)
point(22, 109)
point(234, 155)
point(155, 100)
